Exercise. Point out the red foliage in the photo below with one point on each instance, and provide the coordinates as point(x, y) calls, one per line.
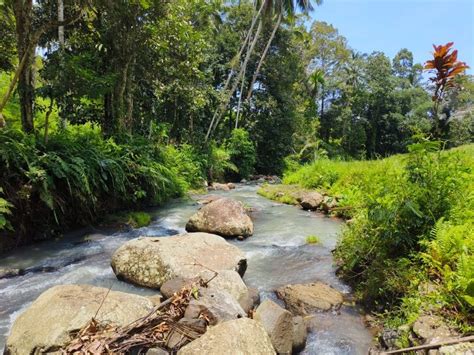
point(445, 66)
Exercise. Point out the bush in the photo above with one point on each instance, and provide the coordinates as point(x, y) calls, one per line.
point(219, 164)
point(242, 152)
point(78, 176)
point(412, 226)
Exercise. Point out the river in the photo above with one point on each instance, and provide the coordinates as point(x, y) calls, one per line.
point(277, 254)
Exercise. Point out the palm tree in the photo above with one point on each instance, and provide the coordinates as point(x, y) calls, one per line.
point(265, 8)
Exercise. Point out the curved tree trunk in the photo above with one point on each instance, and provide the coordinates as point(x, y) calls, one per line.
point(222, 106)
point(264, 54)
point(239, 77)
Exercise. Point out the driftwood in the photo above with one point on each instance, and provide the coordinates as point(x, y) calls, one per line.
point(151, 331)
point(430, 346)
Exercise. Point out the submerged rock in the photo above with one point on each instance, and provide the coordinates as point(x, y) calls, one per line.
point(278, 323)
point(151, 261)
point(240, 336)
point(304, 299)
point(222, 187)
point(6, 273)
point(225, 217)
point(47, 324)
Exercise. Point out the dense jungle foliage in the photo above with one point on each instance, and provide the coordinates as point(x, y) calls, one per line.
point(109, 105)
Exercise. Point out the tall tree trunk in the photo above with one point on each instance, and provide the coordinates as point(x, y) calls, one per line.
point(23, 11)
point(231, 72)
point(238, 78)
point(264, 54)
point(61, 19)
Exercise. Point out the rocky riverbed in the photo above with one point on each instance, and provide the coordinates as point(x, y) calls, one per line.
point(276, 256)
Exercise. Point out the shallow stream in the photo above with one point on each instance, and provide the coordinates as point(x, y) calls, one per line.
point(277, 254)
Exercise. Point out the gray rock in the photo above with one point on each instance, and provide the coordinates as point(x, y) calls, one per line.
point(156, 351)
point(431, 328)
point(217, 305)
point(300, 334)
point(304, 299)
point(240, 336)
point(457, 349)
point(252, 300)
point(151, 261)
point(47, 324)
point(278, 323)
point(224, 216)
point(170, 287)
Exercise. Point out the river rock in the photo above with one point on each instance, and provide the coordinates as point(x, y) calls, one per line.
point(208, 199)
point(225, 280)
point(150, 261)
point(47, 324)
point(240, 336)
point(431, 328)
point(310, 200)
point(300, 334)
point(252, 300)
point(6, 273)
point(170, 287)
point(218, 305)
point(457, 349)
point(221, 187)
point(328, 204)
point(225, 217)
point(304, 299)
point(278, 323)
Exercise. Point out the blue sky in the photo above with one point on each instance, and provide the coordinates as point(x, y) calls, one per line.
point(389, 25)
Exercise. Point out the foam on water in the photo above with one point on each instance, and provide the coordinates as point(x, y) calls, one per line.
point(277, 255)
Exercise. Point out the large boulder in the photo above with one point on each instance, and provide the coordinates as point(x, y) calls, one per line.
point(278, 323)
point(48, 323)
point(304, 299)
point(311, 200)
point(240, 336)
point(150, 261)
point(225, 217)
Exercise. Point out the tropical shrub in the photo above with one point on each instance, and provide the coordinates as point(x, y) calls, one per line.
point(412, 228)
point(78, 176)
point(242, 152)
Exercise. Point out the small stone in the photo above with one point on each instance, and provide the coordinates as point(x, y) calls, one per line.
point(156, 351)
point(300, 334)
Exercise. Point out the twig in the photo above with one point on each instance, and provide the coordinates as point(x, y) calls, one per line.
point(103, 300)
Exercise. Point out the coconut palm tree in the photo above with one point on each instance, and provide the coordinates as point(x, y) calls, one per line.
point(265, 8)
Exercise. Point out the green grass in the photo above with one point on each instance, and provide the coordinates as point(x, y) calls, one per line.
point(312, 239)
point(287, 194)
point(412, 226)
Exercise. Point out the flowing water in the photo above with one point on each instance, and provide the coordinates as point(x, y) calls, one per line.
point(277, 254)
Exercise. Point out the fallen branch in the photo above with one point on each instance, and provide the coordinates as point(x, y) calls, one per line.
point(151, 331)
point(430, 346)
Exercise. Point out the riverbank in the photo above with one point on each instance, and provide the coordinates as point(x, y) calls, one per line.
point(408, 251)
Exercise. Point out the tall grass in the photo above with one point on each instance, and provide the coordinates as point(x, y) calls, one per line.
point(412, 226)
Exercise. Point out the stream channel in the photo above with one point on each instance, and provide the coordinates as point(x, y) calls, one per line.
point(277, 255)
